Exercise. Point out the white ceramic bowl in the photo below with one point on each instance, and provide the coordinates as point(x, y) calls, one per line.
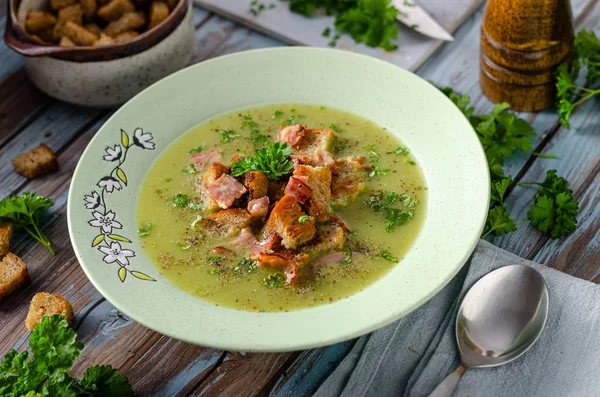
point(440, 137)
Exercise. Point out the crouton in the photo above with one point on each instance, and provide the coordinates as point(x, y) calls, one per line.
point(115, 9)
point(226, 223)
point(38, 161)
point(348, 180)
point(213, 173)
point(6, 233)
point(127, 21)
point(37, 21)
point(59, 4)
point(276, 190)
point(94, 28)
point(47, 35)
point(104, 40)
point(125, 36)
point(66, 42)
point(72, 13)
point(329, 238)
point(13, 274)
point(314, 141)
point(284, 221)
point(78, 34)
point(257, 184)
point(159, 11)
point(89, 9)
point(44, 304)
point(318, 179)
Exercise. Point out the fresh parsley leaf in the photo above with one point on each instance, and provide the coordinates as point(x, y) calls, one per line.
point(499, 189)
point(303, 219)
point(461, 101)
point(189, 169)
point(196, 149)
point(274, 280)
point(554, 209)
point(372, 22)
point(272, 160)
point(246, 265)
point(398, 208)
point(104, 380)
point(257, 138)
point(385, 254)
point(498, 222)
point(24, 212)
point(335, 128)
point(402, 151)
point(145, 229)
point(376, 170)
point(277, 114)
point(181, 200)
point(326, 32)
point(228, 136)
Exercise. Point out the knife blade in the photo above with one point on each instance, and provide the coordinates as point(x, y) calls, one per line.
point(418, 19)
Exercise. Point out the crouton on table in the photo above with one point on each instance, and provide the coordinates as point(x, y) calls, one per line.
point(6, 233)
point(13, 274)
point(44, 304)
point(38, 161)
point(285, 221)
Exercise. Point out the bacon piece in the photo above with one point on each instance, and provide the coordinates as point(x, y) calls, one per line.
point(225, 190)
point(335, 257)
point(340, 222)
point(298, 190)
point(291, 134)
point(203, 160)
point(223, 251)
point(323, 158)
point(259, 207)
point(287, 260)
point(261, 246)
point(245, 238)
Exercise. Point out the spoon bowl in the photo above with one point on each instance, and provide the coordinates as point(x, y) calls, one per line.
point(499, 319)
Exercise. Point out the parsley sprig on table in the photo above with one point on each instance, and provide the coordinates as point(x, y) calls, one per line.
point(569, 93)
point(54, 347)
point(272, 160)
point(24, 213)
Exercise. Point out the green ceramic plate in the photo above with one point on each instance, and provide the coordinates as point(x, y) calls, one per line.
point(103, 195)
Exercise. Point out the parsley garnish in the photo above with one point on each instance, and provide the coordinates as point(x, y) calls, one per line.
point(402, 151)
point(376, 170)
point(385, 254)
point(246, 265)
point(256, 137)
point(389, 203)
point(303, 219)
point(184, 247)
point(274, 280)
point(554, 209)
point(196, 149)
point(228, 136)
point(277, 114)
point(499, 189)
point(145, 229)
point(24, 213)
point(54, 348)
point(181, 200)
point(335, 128)
point(272, 160)
point(215, 260)
point(189, 169)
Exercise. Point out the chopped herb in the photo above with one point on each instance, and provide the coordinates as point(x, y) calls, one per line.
point(340, 148)
point(145, 229)
point(189, 169)
point(269, 252)
point(292, 120)
point(414, 26)
point(335, 128)
point(246, 265)
point(293, 110)
point(303, 219)
point(347, 256)
point(388, 203)
point(168, 179)
point(158, 191)
point(215, 260)
point(228, 136)
point(184, 247)
point(412, 162)
point(196, 150)
point(326, 32)
point(388, 256)
point(214, 272)
point(274, 280)
point(272, 160)
point(259, 139)
point(278, 113)
point(249, 122)
point(195, 206)
point(181, 200)
point(402, 151)
point(200, 218)
point(322, 108)
point(376, 170)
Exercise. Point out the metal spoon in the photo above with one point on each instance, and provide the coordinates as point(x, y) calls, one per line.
point(500, 318)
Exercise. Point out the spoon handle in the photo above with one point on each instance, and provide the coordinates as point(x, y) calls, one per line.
point(448, 385)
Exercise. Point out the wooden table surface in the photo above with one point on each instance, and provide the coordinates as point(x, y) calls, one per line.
point(157, 365)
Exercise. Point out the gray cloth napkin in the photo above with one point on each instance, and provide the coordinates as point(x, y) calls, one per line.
point(411, 356)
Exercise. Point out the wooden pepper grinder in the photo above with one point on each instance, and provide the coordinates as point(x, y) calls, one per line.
point(522, 43)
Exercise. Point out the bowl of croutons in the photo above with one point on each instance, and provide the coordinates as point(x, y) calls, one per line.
point(100, 52)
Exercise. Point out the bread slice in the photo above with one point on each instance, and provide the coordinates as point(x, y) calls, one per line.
point(318, 179)
point(314, 141)
point(284, 221)
point(6, 233)
point(227, 223)
point(329, 238)
point(44, 304)
point(348, 180)
point(13, 275)
point(38, 161)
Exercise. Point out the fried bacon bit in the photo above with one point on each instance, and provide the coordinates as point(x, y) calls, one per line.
point(323, 158)
point(340, 222)
point(223, 250)
point(263, 245)
point(291, 134)
point(225, 190)
point(245, 238)
point(298, 190)
point(203, 160)
point(286, 261)
point(259, 207)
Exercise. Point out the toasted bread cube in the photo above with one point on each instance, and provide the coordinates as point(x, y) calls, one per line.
point(72, 13)
point(318, 179)
point(348, 180)
point(128, 21)
point(257, 184)
point(44, 304)
point(37, 21)
point(66, 42)
point(78, 34)
point(13, 274)
point(284, 221)
point(227, 223)
point(60, 4)
point(276, 190)
point(89, 9)
point(329, 238)
point(46, 35)
point(159, 11)
point(6, 234)
point(94, 28)
point(213, 173)
point(115, 9)
point(104, 40)
point(38, 161)
point(314, 141)
point(126, 36)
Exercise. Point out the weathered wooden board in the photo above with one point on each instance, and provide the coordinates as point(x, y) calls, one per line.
point(291, 28)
